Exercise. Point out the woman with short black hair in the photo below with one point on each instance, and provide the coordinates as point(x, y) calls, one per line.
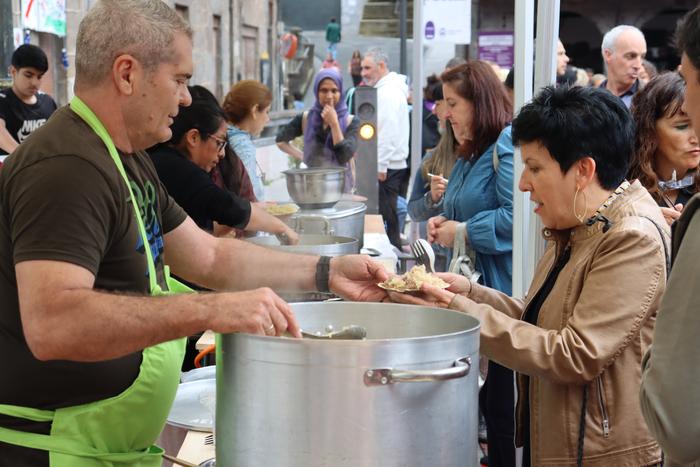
point(577, 340)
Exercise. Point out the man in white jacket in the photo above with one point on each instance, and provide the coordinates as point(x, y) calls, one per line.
point(392, 134)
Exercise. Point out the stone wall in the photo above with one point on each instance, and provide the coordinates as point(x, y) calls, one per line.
point(230, 38)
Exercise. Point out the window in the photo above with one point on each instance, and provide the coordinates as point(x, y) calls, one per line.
point(183, 11)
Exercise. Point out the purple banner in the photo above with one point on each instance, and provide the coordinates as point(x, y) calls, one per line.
point(496, 47)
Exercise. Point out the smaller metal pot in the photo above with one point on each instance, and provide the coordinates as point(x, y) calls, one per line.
point(345, 219)
point(316, 188)
point(325, 245)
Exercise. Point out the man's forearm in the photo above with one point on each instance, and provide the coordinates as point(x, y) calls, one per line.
point(244, 266)
point(231, 264)
point(106, 325)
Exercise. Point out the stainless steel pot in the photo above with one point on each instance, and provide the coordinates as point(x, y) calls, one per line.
point(327, 245)
point(315, 188)
point(405, 396)
point(345, 219)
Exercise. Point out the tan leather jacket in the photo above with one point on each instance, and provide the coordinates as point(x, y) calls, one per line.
point(592, 330)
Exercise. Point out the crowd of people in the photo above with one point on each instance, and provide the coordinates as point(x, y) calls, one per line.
point(610, 167)
point(143, 175)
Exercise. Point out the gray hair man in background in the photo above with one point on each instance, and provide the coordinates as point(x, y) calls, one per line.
point(623, 49)
point(393, 128)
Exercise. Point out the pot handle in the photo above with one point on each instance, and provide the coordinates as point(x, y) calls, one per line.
point(327, 230)
point(384, 376)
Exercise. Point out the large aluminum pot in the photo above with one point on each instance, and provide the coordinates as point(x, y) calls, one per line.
point(405, 396)
point(326, 245)
point(345, 219)
point(315, 188)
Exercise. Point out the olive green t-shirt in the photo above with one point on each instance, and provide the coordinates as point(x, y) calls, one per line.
point(63, 199)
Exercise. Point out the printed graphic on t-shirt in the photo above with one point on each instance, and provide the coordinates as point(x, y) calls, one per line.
point(147, 203)
point(27, 127)
point(21, 119)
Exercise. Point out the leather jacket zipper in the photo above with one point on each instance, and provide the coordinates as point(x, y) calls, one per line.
point(603, 410)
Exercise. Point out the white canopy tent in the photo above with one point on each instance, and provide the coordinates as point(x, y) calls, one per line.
point(528, 245)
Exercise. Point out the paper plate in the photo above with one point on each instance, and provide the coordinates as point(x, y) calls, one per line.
point(191, 409)
point(206, 372)
point(394, 289)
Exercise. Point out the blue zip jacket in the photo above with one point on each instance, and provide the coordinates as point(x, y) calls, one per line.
point(483, 198)
point(242, 144)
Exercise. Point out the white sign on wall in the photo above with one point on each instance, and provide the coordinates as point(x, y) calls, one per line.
point(45, 16)
point(447, 21)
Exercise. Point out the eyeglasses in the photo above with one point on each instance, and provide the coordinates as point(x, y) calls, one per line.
point(220, 143)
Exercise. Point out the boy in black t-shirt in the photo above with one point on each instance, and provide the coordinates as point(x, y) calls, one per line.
point(23, 108)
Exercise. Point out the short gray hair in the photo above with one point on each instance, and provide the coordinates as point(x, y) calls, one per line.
point(611, 36)
point(142, 28)
point(378, 55)
point(454, 62)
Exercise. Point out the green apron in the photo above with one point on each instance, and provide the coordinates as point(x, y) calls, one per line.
point(118, 431)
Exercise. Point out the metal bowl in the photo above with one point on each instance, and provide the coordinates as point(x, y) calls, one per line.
point(316, 188)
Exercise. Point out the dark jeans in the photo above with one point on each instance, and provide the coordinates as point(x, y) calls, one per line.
point(497, 402)
point(388, 192)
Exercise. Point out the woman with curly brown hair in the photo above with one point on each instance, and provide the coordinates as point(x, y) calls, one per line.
point(667, 153)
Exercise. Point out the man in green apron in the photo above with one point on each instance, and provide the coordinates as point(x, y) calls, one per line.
point(91, 361)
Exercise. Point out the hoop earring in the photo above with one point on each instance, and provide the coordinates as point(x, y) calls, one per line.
point(582, 217)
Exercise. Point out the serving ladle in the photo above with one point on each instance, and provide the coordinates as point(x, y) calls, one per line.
point(350, 332)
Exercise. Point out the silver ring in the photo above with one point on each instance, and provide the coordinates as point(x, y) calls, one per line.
point(271, 328)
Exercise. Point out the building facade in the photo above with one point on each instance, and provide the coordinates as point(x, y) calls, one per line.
point(233, 40)
point(237, 39)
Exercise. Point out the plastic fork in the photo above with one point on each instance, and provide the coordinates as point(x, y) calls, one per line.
point(424, 254)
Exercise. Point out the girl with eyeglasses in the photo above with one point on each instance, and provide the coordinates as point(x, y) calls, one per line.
point(184, 164)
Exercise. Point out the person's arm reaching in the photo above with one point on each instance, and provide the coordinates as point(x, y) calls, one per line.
point(230, 264)
point(262, 221)
point(346, 146)
point(287, 133)
point(7, 142)
point(574, 354)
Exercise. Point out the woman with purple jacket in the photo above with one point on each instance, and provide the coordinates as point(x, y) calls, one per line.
point(329, 130)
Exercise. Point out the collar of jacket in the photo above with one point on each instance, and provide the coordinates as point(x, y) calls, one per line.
point(617, 210)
